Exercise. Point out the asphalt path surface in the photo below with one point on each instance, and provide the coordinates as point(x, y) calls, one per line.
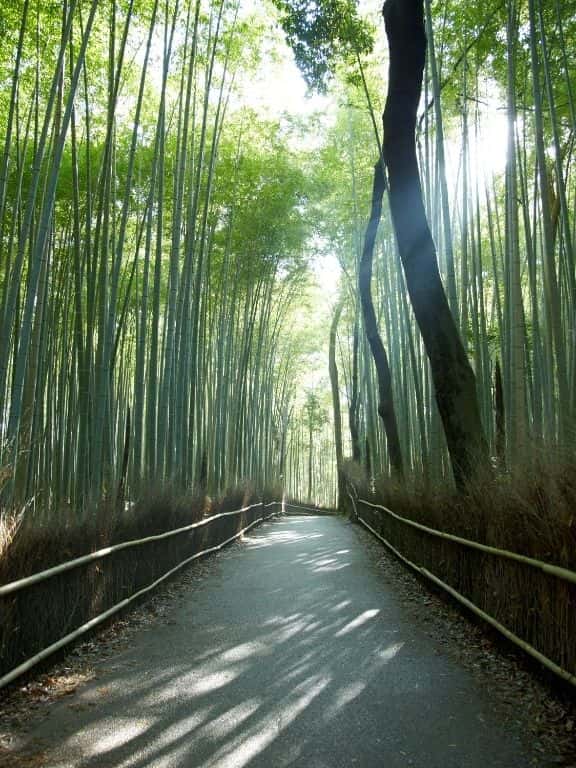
point(293, 651)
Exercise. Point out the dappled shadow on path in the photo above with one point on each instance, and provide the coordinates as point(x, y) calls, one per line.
point(290, 661)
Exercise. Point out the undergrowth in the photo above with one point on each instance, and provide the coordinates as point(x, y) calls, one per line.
point(29, 544)
point(531, 510)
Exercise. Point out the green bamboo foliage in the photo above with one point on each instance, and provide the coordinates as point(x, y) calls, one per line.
point(143, 293)
point(505, 233)
point(153, 236)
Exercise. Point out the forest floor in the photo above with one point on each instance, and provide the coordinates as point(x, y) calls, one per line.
point(307, 644)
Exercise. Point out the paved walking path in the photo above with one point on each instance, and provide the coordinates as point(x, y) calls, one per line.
point(292, 652)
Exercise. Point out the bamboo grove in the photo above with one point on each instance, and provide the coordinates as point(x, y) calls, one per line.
point(148, 258)
point(157, 323)
point(495, 140)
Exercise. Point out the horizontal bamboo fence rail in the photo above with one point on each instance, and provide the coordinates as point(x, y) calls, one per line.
point(36, 578)
point(29, 581)
point(552, 570)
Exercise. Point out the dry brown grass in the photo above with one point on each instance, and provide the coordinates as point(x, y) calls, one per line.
point(531, 511)
point(9, 524)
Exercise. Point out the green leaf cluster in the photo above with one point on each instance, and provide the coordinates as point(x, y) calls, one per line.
point(322, 32)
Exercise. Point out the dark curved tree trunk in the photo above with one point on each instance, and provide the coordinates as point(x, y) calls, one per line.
point(385, 398)
point(453, 377)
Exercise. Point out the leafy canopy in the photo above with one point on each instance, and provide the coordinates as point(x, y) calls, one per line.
point(322, 31)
